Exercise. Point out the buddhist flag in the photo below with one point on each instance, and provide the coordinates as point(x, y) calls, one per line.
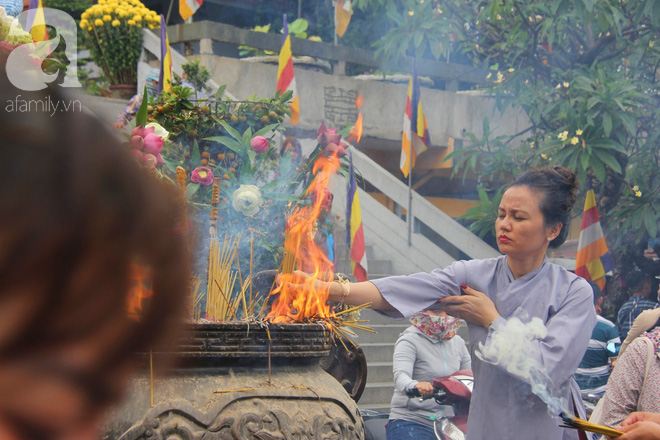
point(343, 13)
point(38, 21)
point(165, 79)
point(593, 259)
point(415, 137)
point(354, 230)
point(188, 7)
point(286, 80)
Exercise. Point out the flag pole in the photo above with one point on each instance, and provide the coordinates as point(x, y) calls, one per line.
point(410, 161)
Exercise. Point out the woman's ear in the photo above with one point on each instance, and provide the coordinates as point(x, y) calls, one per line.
point(554, 230)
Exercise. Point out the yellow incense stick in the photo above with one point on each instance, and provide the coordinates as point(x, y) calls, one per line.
point(577, 423)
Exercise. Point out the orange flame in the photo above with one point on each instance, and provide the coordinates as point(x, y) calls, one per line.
point(356, 131)
point(300, 298)
point(139, 290)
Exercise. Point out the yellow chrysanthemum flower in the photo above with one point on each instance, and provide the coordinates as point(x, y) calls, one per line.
point(107, 18)
point(85, 15)
point(84, 24)
point(579, 132)
point(574, 141)
point(98, 22)
point(108, 9)
point(122, 13)
point(137, 18)
point(101, 2)
point(115, 23)
point(131, 22)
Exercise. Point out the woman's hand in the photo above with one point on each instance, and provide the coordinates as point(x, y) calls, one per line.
point(474, 307)
point(640, 416)
point(424, 388)
point(643, 430)
point(299, 280)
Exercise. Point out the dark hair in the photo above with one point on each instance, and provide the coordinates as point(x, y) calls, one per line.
point(635, 280)
point(291, 144)
point(78, 214)
point(596, 290)
point(558, 187)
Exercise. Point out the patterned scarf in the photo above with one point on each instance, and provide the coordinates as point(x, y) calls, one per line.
point(439, 328)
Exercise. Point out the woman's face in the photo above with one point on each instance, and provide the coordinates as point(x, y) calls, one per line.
point(519, 227)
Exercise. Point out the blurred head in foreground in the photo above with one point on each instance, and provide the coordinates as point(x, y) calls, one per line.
point(78, 220)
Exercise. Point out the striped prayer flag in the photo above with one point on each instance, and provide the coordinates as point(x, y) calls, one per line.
point(343, 13)
point(165, 79)
point(593, 259)
point(355, 231)
point(36, 21)
point(188, 7)
point(286, 80)
point(415, 128)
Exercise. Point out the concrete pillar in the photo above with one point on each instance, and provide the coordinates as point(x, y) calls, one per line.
point(206, 46)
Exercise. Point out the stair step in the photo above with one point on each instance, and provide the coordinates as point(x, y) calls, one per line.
point(379, 372)
point(377, 393)
point(378, 351)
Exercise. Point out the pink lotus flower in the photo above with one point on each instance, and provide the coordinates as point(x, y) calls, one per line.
point(326, 136)
point(138, 155)
point(137, 142)
point(202, 175)
point(150, 160)
point(333, 149)
point(153, 144)
point(259, 144)
point(141, 131)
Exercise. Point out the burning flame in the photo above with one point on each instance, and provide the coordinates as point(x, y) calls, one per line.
point(139, 290)
point(356, 131)
point(300, 298)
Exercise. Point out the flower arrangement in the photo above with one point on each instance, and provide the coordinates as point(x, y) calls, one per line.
point(11, 32)
point(112, 29)
point(239, 186)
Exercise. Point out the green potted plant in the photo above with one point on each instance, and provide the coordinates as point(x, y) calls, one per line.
point(112, 29)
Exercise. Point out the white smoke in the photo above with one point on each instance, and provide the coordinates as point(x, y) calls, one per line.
point(513, 346)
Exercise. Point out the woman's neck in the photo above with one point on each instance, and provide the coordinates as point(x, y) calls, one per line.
point(523, 266)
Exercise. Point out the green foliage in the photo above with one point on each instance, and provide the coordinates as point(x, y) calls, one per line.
point(297, 28)
point(584, 72)
point(483, 215)
point(71, 7)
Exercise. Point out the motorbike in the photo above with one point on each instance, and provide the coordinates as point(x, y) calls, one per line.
point(451, 392)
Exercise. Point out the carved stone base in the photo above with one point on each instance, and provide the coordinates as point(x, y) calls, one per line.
point(300, 401)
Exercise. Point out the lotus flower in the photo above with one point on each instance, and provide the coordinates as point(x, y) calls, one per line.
point(334, 149)
point(326, 136)
point(202, 175)
point(153, 143)
point(259, 144)
point(158, 130)
point(247, 200)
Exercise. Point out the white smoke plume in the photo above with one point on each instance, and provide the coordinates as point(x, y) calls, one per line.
point(514, 343)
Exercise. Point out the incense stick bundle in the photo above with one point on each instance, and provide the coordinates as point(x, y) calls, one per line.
point(577, 423)
point(221, 280)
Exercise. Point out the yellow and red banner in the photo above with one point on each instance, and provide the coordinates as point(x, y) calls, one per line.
point(165, 80)
point(355, 235)
point(343, 14)
point(286, 79)
point(38, 21)
point(416, 138)
point(188, 7)
point(593, 258)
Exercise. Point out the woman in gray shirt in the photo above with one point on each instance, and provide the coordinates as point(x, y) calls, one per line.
point(427, 349)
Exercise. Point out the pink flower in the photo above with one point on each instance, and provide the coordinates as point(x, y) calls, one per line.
point(325, 136)
point(150, 160)
point(137, 142)
point(141, 131)
point(138, 155)
point(333, 149)
point(153, 143)
point(259, 144)
point(202, 175)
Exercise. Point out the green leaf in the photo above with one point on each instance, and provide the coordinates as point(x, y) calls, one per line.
point(191, 189)
point(609, 160)
point(195, 156)
point(607, 124)
point(141, 115)
point(650, 222)
point(232, 144)
point(220, 91)
point(231, 131)
point(267, 129)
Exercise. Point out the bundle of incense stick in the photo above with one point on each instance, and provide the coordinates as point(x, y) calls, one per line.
point(220, 278)
point(577, 423)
